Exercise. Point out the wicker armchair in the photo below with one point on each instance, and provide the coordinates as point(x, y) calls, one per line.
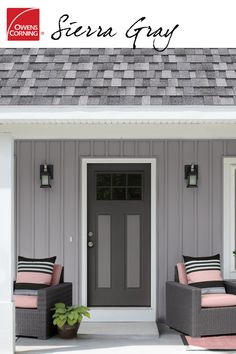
point(185, 314)
point(38, 322)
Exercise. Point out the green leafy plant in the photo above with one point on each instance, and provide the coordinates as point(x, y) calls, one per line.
point(234, 253)
point(68, 314)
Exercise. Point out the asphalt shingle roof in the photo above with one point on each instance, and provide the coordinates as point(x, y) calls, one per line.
point(111, 76)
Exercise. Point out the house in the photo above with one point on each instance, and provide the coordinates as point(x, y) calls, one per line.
point(118, 126)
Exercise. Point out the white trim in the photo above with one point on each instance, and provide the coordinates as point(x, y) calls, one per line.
point(122, 314)
point(119, 130)
point(72, 114)
point(119, 122)
point(7, 252)
point(229, 190)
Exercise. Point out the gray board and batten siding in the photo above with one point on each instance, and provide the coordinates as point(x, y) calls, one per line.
point(189, 221)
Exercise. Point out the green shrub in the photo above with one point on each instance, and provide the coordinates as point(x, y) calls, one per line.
point(68, 314)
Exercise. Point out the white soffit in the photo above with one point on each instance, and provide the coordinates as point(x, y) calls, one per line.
point(117, 122)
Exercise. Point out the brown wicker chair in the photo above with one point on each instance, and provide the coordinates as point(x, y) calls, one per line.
point(38, 322)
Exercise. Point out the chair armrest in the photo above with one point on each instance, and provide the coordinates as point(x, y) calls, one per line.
point(47, 297)
point(183, 306)
point(230, 287)
point(184, 296)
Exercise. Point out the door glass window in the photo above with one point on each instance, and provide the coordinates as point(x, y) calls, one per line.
point(119, 186)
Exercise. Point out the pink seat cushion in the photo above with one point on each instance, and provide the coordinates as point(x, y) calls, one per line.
point(218, 300)
point(26, 301)
point(56, 274)
point(182, 273)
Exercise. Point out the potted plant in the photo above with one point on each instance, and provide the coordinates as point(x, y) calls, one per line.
point(68, 318)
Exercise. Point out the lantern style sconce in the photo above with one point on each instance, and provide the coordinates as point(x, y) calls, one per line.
point(46, 174)
point(191, 175)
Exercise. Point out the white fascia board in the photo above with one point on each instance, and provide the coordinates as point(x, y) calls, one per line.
point(119, 122)
point(109, 114)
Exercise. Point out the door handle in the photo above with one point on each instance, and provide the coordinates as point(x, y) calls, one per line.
point(90, 234)
point(90, 244)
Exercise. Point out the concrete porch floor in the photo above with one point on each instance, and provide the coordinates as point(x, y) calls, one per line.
point(110, 338)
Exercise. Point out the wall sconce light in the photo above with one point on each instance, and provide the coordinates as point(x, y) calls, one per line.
point(191, 175)
point(46, 174)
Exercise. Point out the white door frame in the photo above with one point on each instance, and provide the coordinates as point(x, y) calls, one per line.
point(229, 193)
point(111, 314)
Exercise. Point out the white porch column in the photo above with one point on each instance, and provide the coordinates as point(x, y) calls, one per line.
point(7, 323)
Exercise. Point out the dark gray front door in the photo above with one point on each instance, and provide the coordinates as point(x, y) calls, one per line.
point(119, 262)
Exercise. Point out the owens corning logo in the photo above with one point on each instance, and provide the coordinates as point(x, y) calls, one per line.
point(23, 24)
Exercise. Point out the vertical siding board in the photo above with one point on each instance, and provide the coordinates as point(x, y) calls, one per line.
point(114, 148)
point(158, 151)
point(129, 148)
point(188, 204)
point(181, 178)
point(217, 196)
point(76, 238)
point(55, 203)
point(41, 197)
point(173, 183)
point(24, 199)
point(143, 148)
point(84, 148)
point(231, 147)
point(47, 214)
point(203, 193)
point(33, 198)
point(69, 209)
point(210, 197)
point(62, 201)
point(99, 148)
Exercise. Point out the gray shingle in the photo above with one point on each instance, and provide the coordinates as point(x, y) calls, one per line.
point(117, 76)
point(5, 100)
point(227, 100)
point(27, 74)
point(221, 82)
point(146, 100)
point(129, 74)
point(71, 74)
point(6, 66)
point(83, 100)
point(54, 82)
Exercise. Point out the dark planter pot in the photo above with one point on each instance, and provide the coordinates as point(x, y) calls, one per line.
point(68, 332)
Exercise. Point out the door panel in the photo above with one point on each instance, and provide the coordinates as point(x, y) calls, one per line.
point(133, 251)
point(119, 230)
point(104, 251)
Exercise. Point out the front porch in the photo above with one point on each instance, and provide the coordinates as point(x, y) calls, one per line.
point(37, 232)
point(101, 338)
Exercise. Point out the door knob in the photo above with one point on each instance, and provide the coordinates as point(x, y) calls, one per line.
point(90, 244)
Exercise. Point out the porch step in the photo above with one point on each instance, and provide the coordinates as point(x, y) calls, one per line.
point(119, 328)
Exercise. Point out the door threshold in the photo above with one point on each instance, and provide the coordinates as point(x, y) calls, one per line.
point(119, 328)
point(122, 314)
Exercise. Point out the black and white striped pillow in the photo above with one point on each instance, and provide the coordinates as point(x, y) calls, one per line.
point(35, 270)
point(205, 273)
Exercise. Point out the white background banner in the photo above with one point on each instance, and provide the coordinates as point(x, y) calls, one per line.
point(202, 23)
